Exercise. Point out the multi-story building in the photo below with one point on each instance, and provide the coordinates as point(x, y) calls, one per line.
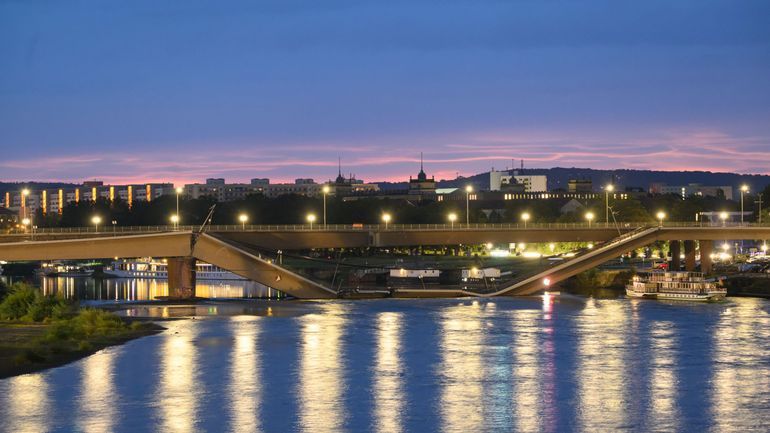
point(692, 189)
point(515, 181)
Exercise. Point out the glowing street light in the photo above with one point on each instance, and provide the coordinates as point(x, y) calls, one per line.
point(243, 218)
point(325, 190)
point(552, 247)
point(311, 219)
point(386, 219)
point(525, 218)
point(175, 220)
point(590, 218)
point(24, 194)
point(744, 190)
point(179, 190)
point(607, 190)
point(96, 220)
point(452, 218)
point(468, 191)
point(723, 217)
point(25, 222)
point(660, 215)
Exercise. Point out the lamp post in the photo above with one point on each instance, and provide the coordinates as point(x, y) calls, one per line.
point(25, 222)
point(325, 191)
point(744, 189)
point(468, 191)
point(452, 218)
point(660, 215)
point(723, 217)
point(607, 190)
point(386, 219)
point(179, 190)
point(96, 220)
point(24, 194)
point(525, 218)
point(311, 219)
point(174, 220)
point(590, 218)
point(114, 223)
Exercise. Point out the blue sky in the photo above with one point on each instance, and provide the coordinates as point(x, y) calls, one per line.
point(180, 91)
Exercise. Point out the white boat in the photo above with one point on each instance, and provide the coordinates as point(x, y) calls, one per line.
point(681, 286)
point(62, 269)
point(158, 269)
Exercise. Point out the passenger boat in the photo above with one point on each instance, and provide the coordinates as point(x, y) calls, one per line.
point(158, 269)
point(681, 286)
point(62, 269)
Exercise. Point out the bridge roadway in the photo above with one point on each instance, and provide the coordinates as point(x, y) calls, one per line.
point(224, 248)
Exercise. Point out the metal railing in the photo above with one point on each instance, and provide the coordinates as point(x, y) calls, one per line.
point(626, 226)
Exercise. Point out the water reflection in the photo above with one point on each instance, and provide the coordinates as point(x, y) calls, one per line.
point(664, 411)
point(527, 407)
point(741, 381)
point(388, 389)
point(322, 370)
point(245, 392)
point(461, 369)
point(145, 289)
point(177, 394)
point(28, 404)
point(603, 372)
point(96, 412)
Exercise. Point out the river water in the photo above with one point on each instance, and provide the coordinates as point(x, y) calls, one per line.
point(552, 364)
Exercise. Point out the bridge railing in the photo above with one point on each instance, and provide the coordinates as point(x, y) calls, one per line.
point(623, 226)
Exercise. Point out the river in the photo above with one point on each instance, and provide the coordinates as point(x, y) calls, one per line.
point(551, 364)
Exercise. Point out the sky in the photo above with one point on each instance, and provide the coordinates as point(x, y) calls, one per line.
point(154, 90)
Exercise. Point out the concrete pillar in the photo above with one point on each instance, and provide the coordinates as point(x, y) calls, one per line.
point(689, 256)
point(675, 249)
point(181, 277)
point(706, 248)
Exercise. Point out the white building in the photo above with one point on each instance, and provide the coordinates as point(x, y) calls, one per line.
point(532, 183)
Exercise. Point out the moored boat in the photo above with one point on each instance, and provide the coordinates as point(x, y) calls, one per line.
point(158, 269)
point(680, 286)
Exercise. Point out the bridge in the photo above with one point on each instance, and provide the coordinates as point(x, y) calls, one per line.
point(236, 248)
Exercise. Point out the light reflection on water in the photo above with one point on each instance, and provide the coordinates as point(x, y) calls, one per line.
point(96, 412)
point(388, 389)
point(245, 373)
point(144, 289)
point(322, 370)
point(569, 364)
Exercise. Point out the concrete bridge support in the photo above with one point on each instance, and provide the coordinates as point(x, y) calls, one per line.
point(676, 250)
point(706, 263)
point(689, 256)
point(181, 277)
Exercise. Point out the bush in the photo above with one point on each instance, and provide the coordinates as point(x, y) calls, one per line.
point(27, 304)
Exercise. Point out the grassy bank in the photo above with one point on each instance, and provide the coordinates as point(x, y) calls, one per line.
point(39, 332)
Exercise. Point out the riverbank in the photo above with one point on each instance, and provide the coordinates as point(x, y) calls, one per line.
point(30, 347)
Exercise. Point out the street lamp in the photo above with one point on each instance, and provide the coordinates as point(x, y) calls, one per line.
point(179, 190)
point(311, 219)
point(525, 218)
point(468, 191)
point(590, 218)
point(175, 220)
point(723, 217)
point(325, 191)
point(452, 218)
point(744, 190)
point(660, 215)
point(386, 219)
point(25, 222)
point(607, 190)
point(96, 220)
point(243, 218)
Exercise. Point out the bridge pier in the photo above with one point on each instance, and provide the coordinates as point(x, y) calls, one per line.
point(675, 248)
point(689, 256)
point(181, 277)
point(706, 264)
